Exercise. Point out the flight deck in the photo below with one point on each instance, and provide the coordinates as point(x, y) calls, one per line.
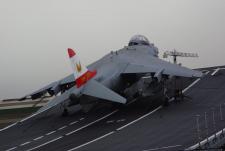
point(137, 126)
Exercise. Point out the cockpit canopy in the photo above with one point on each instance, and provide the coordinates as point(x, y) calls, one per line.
point(138, 40)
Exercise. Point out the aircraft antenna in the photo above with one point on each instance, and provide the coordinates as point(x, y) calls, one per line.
point(176, 54)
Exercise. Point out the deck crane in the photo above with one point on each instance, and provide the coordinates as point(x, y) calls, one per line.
point(176, 54)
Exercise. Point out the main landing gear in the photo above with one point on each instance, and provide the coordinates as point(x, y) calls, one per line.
point(166, 97)
point(65, 111)
point(178, 96)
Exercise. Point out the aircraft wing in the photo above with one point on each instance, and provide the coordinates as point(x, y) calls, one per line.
point(40, 92)
point(52, 89)
point(164, 67)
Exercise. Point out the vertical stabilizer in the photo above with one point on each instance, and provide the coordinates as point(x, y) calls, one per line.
point(81, 73)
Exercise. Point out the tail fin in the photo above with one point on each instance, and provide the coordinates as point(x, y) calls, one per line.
point(81, 73)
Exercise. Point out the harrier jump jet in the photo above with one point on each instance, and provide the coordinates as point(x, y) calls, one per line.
point(119, 77)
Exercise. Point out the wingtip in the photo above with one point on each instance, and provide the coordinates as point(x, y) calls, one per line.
point(71, 52)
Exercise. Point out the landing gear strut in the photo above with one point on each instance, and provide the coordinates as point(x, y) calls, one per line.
point(166, 101)
point(179, 96)
point(165, 94)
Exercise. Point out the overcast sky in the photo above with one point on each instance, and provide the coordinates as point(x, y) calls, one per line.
point(34, 34)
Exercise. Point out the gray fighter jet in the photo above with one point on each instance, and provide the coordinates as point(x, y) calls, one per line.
point(119, 77)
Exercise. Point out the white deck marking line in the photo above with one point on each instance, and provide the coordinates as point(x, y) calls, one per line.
point(17, 122)
point(111, 121)
point(62, 127)
point(121, 120)
point(73, 122)
point(207, 72)
point(216, 70)
point(8, 127)
point(28, 117)
point(92, 123)
point(94, 140)
point(45, 143)
point(160, 148)
point(38, 138)
point(11, 148)
point(118, 129)
point(204, 71)
point(82, 118)
point(70, 132)
point(50, 132)
point(25, 143)
point(191, 85)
